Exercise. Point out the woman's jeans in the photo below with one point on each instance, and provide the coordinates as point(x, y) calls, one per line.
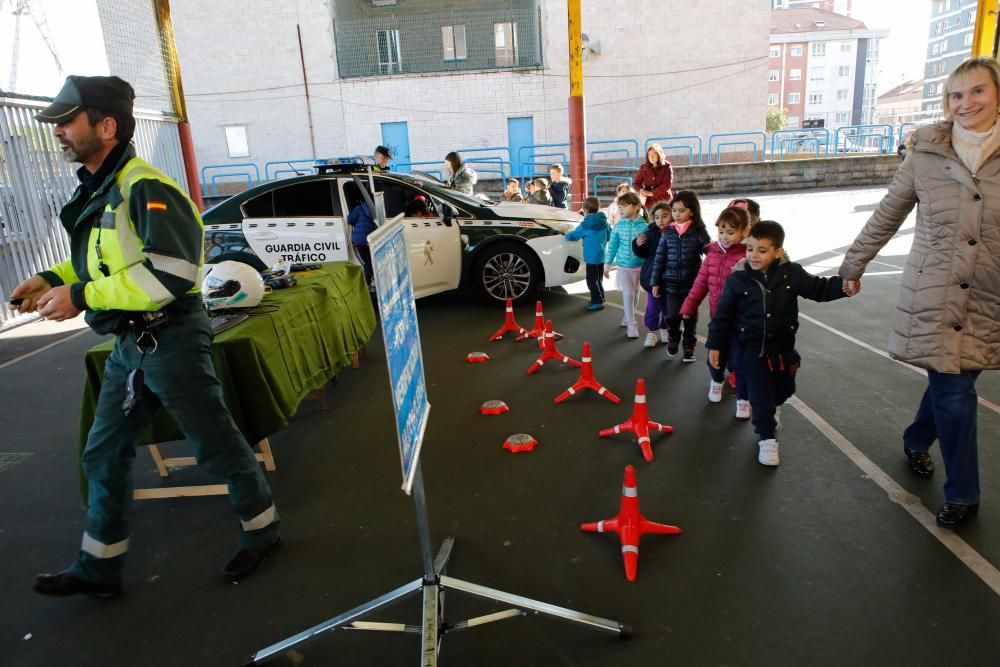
point(947, 413)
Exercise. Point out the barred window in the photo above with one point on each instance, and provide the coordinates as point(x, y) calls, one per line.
point(453, 42)
point(505, 41)
point(389, 61)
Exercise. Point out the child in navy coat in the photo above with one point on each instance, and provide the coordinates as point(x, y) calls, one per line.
point(595, 232)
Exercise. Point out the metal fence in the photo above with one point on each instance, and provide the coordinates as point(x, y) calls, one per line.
point(35, 182)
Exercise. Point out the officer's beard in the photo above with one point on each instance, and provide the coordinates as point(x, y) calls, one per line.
point(83, 149)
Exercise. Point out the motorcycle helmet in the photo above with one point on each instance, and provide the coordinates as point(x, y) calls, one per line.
point(231, 285)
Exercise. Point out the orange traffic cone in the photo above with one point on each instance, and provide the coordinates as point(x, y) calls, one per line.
point(639, 423)
point(538, 330)
point(587, 381)
point(508, 324)
point(550, 351)
point(630, 525)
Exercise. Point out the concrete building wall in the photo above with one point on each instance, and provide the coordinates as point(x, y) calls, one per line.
point(241, 65)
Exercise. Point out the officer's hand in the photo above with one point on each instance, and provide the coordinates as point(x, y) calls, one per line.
point(29, 292)
point(56, 305)
point(713, 358)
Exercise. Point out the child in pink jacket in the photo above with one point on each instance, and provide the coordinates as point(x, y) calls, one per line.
point(722, 256)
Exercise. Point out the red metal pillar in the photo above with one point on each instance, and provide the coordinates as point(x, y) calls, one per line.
point(577, 120)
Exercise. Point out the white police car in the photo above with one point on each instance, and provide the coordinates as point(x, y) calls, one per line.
point(503, 249)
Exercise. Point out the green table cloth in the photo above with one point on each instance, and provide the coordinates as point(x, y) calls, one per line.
point(294, 342)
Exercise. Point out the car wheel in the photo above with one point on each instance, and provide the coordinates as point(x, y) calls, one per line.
point(507, 271)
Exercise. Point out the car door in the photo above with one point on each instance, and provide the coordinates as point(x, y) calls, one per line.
point(434, 246)
point(300, 222)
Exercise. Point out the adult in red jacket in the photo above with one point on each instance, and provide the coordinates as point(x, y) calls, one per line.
point(654, 179)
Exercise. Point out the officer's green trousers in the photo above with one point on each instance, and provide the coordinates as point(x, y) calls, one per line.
point(180, 377)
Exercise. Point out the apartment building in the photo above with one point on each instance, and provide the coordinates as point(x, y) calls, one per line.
point(842, 7)
point(952, 28)
point(822, 68)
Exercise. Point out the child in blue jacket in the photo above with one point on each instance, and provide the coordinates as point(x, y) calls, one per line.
point(594, 231)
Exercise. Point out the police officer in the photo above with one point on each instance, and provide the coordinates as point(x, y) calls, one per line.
point(382, 157)
point(135, 271)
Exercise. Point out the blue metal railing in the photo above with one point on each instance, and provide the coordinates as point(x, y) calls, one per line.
point(902, 128)
point(500, 162)
point(616, 179)
point(820, 135)
point(729, 135)
point(290, 164)
point(252, 177)
point(680, 137)
point(884, 133)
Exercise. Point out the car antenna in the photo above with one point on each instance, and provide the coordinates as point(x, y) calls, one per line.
point(297, 172)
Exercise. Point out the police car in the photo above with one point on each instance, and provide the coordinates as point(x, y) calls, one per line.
point(502, 249)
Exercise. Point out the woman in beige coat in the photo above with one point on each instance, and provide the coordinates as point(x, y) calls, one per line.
point(948, 316)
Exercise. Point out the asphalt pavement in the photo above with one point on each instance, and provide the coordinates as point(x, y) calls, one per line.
point(826, 560)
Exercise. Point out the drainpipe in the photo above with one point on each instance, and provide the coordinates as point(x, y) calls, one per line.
point(577, 122)
point(173, 71)
point(305, 82)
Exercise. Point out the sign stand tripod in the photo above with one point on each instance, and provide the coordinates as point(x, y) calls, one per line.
point(405, 363)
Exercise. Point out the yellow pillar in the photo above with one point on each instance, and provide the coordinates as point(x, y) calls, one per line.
point(577, 121)
point(986, 29)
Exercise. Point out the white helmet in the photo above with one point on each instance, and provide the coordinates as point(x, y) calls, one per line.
point(231, 285)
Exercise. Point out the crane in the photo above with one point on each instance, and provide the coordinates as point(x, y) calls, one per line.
point(20, 8)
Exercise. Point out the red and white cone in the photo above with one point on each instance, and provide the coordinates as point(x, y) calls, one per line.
point(550, 351)
point(520, 442)
point(493, 408)
point(639, 423)
point(587, 381)
point(477, 357)
point(508, 324)
point(630, 525)
point(538, 330)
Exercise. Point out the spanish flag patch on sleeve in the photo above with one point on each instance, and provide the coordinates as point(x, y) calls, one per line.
point(156, 206)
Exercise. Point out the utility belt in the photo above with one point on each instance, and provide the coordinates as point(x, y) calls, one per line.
point(138, 322)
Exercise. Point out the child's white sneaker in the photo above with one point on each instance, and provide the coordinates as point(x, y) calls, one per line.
point(664, 335)
point(651, 339)
point(768, 452)
point(632, 331)
point(714, 391)
point(742, 409)
point(777, 418)
point(624, 323)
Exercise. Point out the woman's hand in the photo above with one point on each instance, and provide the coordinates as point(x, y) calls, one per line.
point(851, 287)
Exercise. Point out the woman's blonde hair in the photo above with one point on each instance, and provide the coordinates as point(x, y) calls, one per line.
point(988, 64)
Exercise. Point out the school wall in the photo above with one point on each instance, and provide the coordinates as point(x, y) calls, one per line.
point(240, 64)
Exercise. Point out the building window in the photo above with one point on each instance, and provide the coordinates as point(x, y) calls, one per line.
point(844, 70)
point(775, 51)
point(972, 17)
point(505, 41)
point(796, 51)
point(968, 39)
point(842, 94)
point(841, 117)
point(940, 6)
point(943, 45)
point(793, 121)
point(794, 75)
point(817, 73)
point(846, 47)
point(819, 48)
point(772, 99)
point(453, 42)
point(794, 98)
point(236, 141)
point(815, 98)
point(388, 52)
point(934, 49)
point(772, 75)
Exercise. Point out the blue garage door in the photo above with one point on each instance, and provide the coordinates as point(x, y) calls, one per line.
point(520, 132)
point(397, 137)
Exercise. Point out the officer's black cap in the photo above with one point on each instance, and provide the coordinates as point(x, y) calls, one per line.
point(382, 150)
point(105, 93)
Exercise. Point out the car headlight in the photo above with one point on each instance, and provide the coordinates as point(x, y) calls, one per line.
point(557, 225)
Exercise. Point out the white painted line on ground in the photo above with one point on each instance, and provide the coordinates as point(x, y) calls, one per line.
point(985, 402)
point(971, 558)
point(42, 349)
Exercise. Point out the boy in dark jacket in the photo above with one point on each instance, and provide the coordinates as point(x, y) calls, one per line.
point(362, 224)
point(559, 188)
point(760, 307)
point(595, 231)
